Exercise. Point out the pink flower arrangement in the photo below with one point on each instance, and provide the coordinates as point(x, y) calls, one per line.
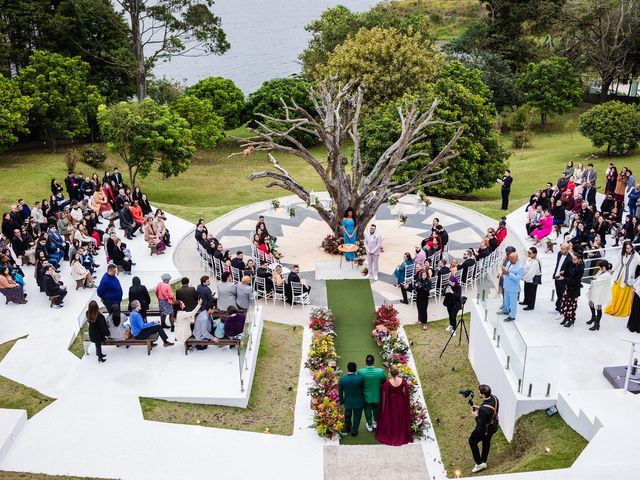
point(380, 332)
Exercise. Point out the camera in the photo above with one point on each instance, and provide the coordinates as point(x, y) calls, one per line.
point(467, 392)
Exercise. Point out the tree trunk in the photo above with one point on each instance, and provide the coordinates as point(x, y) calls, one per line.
point(604, 91)
point(543, 118)
point(138, 51)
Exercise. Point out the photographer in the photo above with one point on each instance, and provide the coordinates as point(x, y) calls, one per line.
point(486, 416)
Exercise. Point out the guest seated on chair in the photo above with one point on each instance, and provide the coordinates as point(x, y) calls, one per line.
point(234, 324)
point(263, 272)
point(294, 276)
point(141, 330)
point(53, 287)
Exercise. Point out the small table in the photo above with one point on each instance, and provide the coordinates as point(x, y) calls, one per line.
point(347, 248)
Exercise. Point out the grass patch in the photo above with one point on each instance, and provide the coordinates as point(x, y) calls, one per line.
point(77, 347)
point(273, 395)
point(351, 301)
point(15, 395)
point(442, 378)
point(39, 476)
point(552, 147)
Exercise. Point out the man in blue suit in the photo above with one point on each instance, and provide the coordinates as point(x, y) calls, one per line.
point(511, 275)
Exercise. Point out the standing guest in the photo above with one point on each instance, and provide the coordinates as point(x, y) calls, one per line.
point(394, 426)
point(54, 287)
point(373, 378)
point(633, 198)
point(511, 276)
point(621, 185)
point(372, 245)
point(623, 277)
point(204, 292)
point(227, 292)
point(563, 258)
point(116, 177)
point(612, 178)
point(244, 292)
point(10, 288)
point(351, 398)
point(501, 232)
point(166, 299)
point(234, 323)
point(98, 329)
point(422, 288)
point(578, 174)
point(139, 292)
point(572, 277)
point(116, 323)
point(590, 175)
point(141, 330)
point(109, 289)
point(187, 294)
point(589, 194)
point(505, 190)
point(633, 324)
point(184, 319)
point(569, 169)
point(348, 225)
point(532, 277)
point(453, 302)
point(600, 293)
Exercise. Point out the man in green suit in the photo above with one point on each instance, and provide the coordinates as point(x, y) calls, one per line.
point(373, 379)
point(350, 393)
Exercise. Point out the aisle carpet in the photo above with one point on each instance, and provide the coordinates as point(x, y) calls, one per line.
point(352, 304)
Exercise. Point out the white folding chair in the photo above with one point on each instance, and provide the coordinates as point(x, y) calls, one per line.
point(469, 278)
point(217, 265)
point(261, 289)
point(298, 295)
point(236, 275)
point(409, 270)
point(444, 283)
point(279, 294)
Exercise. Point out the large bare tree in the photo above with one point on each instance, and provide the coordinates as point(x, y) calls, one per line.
point(335, 122)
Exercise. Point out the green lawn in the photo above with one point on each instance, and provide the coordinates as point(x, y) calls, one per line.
point(213, 185)
point(351, 301)
point(273, 395)
point(552, 147)
point(16, 395)
point(38, 476)
point(442, 379)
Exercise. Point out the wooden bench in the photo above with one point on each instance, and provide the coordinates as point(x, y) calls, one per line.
point(148, 342)
point(192, 342)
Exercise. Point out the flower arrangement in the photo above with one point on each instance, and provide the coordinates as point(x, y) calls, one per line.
point(275, 203)
point(426, 200)
point(329, 419)
point(380, 333)
point(322, 353)
point(393, 201)
point(387, 315)
point(403, 218)
point(292, 212)
point(330, 245)
point(321, 318)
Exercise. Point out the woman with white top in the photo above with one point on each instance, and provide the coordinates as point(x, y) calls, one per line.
point(624, 276)
point(577, 174)
point(599, 293)
point(531, 278)
point(184, 320)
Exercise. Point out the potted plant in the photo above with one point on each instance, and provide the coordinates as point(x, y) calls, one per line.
point(380, 333)
point(403, 218)
point(292, 212)
point(275, 203)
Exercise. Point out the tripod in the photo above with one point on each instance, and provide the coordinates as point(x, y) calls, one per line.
point(464, 328)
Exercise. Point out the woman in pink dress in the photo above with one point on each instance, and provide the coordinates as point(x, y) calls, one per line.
point(394, 420)
point(546, 224)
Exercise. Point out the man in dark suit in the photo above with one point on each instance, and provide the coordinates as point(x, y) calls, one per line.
point(590, 175)
point(294, 276)
point(263, 272)
point(187, 295)
point(238, 261)
point(352, 399)
point(116, 176)
point(126, 221)
point(589, 194)
point(468, 262)
point(563, 181)
point(444, 236)
point(506, 189)
point(563, 259)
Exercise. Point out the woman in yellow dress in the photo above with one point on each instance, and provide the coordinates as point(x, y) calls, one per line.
point(623, 279)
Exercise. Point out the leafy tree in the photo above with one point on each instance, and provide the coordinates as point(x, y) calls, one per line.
point(267, 100)
point(14, 110)
point(337, 24)
point(62, 98)
point(227, 99)
point(90, 29)
point(613, 124)
point(164, 91)
point(145, 134)
point(602, 35)
point(389, 62)
point(464, 101)
point(551, 86)
point(207, 128)
point(169, 28)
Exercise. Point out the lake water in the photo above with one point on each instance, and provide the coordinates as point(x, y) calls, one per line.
point(266, 37)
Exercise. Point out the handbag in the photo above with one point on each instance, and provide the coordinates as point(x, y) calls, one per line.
point(127, 334)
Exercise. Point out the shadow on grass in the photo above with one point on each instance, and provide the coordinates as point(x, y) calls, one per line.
point(452, 420)
point(273, 395)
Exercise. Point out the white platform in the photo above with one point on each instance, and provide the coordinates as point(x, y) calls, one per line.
point(334, 271)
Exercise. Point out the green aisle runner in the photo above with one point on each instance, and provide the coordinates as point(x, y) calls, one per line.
point(351, 301)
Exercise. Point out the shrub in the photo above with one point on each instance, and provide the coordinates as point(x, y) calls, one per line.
point(71, 160)
point(93, 155)
point(613, 124)
point(226, 99)
point(522, 138)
